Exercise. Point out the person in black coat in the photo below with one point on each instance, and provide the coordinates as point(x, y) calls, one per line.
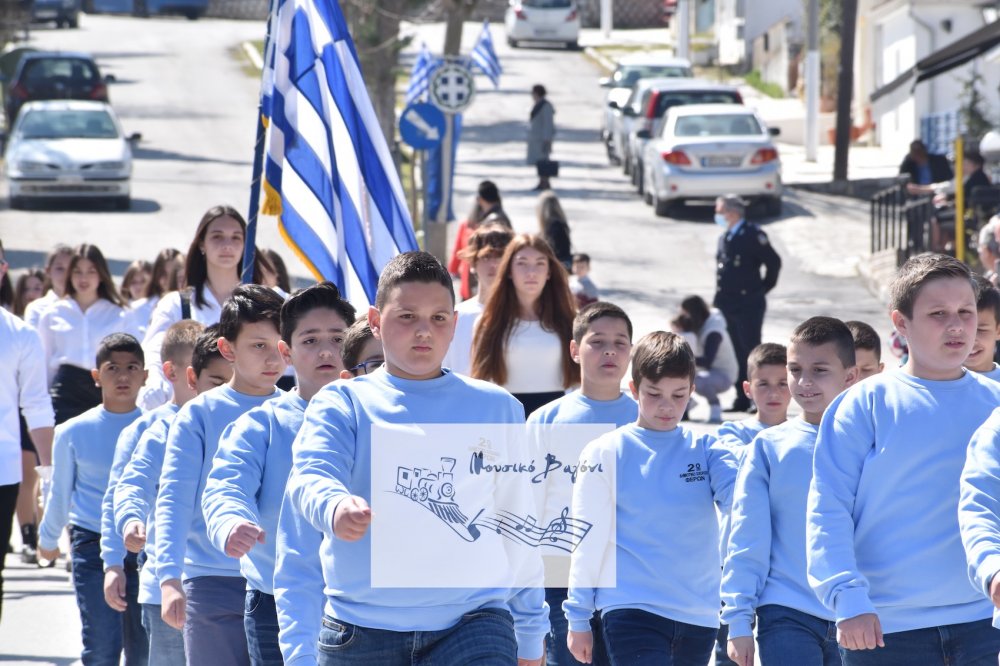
point(925, 168)
point(553, 226)
point(740, 288)
point(943, 222)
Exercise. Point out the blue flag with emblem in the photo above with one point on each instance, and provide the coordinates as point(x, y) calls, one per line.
point(484, 56)
point(328, 174)
point(420, 75)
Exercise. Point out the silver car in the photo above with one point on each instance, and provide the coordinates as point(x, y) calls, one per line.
point(68, 149)
point(707, 150)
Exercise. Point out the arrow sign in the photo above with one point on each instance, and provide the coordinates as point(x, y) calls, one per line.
point(422, 125)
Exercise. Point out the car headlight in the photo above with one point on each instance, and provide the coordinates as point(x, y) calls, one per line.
point(27, 166)
point(110, 166)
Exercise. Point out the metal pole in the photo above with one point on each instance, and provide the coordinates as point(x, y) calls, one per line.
point(959, 201)
point(812, 82)
point(683, 28)
point(607, 10)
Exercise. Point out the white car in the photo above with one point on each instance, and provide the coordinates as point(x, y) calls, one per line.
point(550, 21)
point(708, 150)
point(68, 149)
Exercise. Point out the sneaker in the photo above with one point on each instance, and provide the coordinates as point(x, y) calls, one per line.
point(715, 414)
point(29, 555)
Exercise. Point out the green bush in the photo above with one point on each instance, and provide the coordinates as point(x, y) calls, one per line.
point(770, 89)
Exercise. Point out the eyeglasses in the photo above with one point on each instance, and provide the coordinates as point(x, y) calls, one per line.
point(368, 366)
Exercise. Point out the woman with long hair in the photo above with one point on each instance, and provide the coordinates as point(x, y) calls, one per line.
point(56, 272)
point(30, 286)
point(72, 328)
point(522, 338)
point(554, 227)
point(715, 357)
point(212, 269)
point(162, 279)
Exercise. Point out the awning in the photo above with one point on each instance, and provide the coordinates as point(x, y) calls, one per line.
point(955, 54)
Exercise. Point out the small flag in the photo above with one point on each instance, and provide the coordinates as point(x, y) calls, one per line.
point(327, 169)
point(484, 56)
point(420, 75)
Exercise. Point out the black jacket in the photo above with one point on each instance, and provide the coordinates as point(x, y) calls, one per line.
point(940, 169)
point(738, 263)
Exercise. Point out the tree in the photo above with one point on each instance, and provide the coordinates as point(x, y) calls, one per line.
point(456, 13)
point(973, 114)
point(845, 89)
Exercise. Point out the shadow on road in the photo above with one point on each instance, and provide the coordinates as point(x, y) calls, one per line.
point(143, 153)
point(516, 130)
point(91, 205)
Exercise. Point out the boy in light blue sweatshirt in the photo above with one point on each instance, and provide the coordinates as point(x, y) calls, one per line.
point(330, 485)
point(135, 493)
point(83, 453)
point(244, 490)
point(867, 349)
point(298, 569)
point(884, 549)
point(601, 344)
point(664, 605)
point(767, 387)
point(209, 604)
point(987, 331)
point(765, 571)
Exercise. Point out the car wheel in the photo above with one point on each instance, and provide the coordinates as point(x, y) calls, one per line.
point(122, 203)
point(73, 22)
point(647, 198)
point(60, 23)
point(511, 42)
point(773, 206)
point(626, 166)
point(139, 8)
point(88, 6)
point(17, 203)
point(192, 15)
point(573, 46)
point(661, 207)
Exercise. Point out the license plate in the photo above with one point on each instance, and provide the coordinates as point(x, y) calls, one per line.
point(721, 161)
point(70, 178)
point(543, 32)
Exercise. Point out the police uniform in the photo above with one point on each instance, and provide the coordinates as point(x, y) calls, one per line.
point(740, 289)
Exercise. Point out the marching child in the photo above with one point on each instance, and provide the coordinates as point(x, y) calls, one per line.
point(361, 352)
point(765, 571)
point(83, 453)
point(884, 550)
point(330, 486)
point(664, 607)
point(135, 494)
point(602, 342)
point(987, 331)
point(867, 349)
point(244, 490)
point(209, 604)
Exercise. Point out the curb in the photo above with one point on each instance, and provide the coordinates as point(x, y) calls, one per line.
point(602, 61)
point(251, 53)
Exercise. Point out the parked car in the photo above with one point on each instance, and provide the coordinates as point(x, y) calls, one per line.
point(664, 96)
point(552, 21)
point(53, 75)
point(630, 70)
point(67, 150)
point(706, 150)
point(65, 13)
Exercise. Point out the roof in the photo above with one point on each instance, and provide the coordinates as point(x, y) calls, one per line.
point(711, 110)
point(674, 83)
point(66, 105)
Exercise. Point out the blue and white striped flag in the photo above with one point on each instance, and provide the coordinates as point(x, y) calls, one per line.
point(420, 75)
point(484, 56)
point(328, 173)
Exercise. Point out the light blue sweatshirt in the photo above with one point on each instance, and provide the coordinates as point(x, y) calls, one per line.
point(113, 550)
point(666, 548)
point(993, 374)
point(82, 453)
point(575, 407)
point(979, 507)
point(742, 432)
point(182, 543)
point(332, 460)
point(882, 529)
point(298, 587)
point(135, 499)
point(248, 480)
point(766, 562)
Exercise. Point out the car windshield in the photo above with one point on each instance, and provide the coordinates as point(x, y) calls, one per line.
point(629, 75)
point(547, 4)
point(735, 124)
point(668, 100)
point(68, 124)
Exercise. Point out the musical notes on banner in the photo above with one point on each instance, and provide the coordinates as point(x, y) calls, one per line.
point(564, 533)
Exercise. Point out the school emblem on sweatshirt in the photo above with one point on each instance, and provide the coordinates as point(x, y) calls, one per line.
point(694, 472)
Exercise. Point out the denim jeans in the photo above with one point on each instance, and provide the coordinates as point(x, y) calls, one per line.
point(260, 620)
point(556, 651)
point(967, 644)
point(639, 638)
point(166, 644)
point(105, 630)
point(484, 637)
point(214, 633)
point(787, 637)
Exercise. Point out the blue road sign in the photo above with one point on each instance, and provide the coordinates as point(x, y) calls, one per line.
point(422, 125)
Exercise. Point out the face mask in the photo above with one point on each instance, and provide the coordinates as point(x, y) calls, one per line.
point(721, 220)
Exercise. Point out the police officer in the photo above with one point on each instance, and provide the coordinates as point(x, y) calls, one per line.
point(739, 287)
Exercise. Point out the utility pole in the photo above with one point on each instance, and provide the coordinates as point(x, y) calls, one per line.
point(845, 89)
point(683, 19)
point(607, 17)
point(812, 81)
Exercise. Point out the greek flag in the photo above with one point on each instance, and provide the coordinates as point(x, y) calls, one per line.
point(484, 56)
point(328, 174)
point(420, 75)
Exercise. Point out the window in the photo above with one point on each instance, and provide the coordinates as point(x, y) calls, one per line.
point(46, 124)
point(717, 125)
point(670, 99)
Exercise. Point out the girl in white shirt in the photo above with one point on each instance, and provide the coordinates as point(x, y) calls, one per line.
point(56, 272)
point(72, 329)
point(715, 356)
point(162, 279)
point(522, 339)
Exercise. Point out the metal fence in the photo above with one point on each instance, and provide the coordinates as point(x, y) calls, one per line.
point(626, 13)
point(900, 222)
point(254, 10)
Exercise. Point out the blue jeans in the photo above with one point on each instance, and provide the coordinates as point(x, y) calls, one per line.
point(166, 644)
point(967, 644)
point(484, 637)
point(556, 651)
point(105, 629)
point(639, 638)
point(260, 621)
point(214, 633)
point(787, 637)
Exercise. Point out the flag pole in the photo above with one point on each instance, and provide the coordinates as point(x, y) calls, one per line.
point(250, 241)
